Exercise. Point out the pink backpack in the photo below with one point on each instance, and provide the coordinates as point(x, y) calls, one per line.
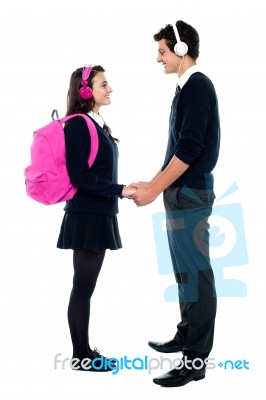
point(46, 178)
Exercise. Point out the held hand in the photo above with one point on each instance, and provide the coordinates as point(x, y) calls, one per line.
point(128, 191)
point(144, 196)
point(140, 184)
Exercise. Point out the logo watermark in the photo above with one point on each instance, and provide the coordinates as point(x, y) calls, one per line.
point(145, 363)
point(227, 242)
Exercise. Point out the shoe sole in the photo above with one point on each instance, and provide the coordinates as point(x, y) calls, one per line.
point(166, 351)
point(92, 370)
point(197, 378)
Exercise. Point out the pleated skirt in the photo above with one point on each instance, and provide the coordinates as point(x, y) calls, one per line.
point(96, 232)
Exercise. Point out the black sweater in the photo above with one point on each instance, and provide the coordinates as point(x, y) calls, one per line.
point(98, 190)
point(194, 132)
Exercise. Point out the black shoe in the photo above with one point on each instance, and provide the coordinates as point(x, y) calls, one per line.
point(180, 377)
point(96, 353)
point(93, 363)
point(166, 347)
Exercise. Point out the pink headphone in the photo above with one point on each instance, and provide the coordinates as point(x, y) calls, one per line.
point(86, 92)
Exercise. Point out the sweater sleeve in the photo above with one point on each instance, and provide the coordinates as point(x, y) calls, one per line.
point(78, 143)
point(196, 104)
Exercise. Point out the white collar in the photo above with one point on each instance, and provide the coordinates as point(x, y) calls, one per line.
point(96, 118)
point(186, 75)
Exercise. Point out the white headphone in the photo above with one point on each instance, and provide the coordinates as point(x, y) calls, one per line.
point(180, 48)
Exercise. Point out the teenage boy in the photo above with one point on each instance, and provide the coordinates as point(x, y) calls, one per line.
point(186, 181)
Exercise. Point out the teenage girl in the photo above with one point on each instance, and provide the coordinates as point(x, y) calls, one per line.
point(89, 225)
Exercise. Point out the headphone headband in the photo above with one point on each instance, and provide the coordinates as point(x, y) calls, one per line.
point(86, 71)
point(176, 33)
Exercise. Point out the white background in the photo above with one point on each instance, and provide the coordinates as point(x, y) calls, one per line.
point(42, 42)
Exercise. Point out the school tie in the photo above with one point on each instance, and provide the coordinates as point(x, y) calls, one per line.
point(177, 90)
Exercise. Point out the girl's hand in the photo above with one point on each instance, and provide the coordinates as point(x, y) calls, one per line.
point(128, 191)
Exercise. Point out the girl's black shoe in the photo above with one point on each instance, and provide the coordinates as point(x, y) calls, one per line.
point(95, 362)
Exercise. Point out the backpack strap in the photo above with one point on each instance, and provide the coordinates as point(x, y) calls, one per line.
point(93, 134)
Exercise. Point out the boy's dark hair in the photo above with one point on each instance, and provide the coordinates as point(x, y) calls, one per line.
point(187, 34)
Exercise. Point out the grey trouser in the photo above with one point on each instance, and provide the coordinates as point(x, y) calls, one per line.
point(187, 213)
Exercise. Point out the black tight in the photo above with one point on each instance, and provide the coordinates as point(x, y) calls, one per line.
point(87, 266)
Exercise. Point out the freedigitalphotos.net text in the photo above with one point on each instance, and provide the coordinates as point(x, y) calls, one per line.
point(145, 363)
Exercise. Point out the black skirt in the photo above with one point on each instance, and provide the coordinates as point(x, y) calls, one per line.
point(94, 232)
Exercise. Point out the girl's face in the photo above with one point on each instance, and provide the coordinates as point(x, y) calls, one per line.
point(101, 91)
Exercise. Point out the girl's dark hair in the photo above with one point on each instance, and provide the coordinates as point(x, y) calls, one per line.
point(187, 34)
point(75, 104)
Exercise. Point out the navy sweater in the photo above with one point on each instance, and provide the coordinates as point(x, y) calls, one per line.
point(194, 132)
point(98, 189)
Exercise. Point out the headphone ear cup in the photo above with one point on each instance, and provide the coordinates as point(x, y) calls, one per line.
point(181, 49)
point(85, 93)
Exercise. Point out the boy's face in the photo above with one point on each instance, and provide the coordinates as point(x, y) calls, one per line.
point(170, 61)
